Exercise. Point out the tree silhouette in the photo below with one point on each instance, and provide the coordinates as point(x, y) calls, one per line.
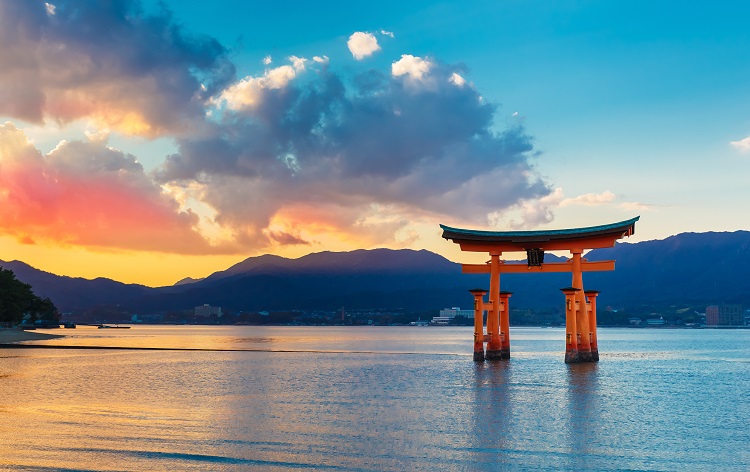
point(17, 299)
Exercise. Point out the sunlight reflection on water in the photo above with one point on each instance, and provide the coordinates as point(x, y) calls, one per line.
point(658, 400)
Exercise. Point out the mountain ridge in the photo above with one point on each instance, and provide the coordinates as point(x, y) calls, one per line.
point(699, 268)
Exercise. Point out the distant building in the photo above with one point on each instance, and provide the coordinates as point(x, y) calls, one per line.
point(207, 310)
point(655, 321)
point(725, 315)
point(456, 311)
point(447, 315)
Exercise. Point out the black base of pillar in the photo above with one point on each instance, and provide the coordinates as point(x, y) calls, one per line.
point(504, 353)
point(493, 354)
point(574, 357)
point(478, 356)
point(571, 357)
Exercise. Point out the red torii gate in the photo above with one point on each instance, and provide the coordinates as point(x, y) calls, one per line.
point(580, 306)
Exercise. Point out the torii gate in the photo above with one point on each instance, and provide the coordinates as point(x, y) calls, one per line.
point(580, 306)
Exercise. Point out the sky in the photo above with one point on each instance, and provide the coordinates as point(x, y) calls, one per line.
point(149, 141)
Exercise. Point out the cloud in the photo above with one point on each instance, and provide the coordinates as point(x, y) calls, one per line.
point(249, 91)
point(267, 60)
point(456, 79)
point(413, 67)
point(285, 239)
point(298, 63)
point(536, 212)
point(108, 62)
point(635, 206)
point(529, 213)
point(346, 143)
point(269, 160)
point(386, 33)
point(743, 145)
point(590, 199)
point(88, 194)
point(362, 45)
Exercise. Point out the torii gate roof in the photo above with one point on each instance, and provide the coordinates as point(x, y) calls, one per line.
point(557, 239)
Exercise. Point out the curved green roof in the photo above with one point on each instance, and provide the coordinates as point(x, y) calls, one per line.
point(557, 234)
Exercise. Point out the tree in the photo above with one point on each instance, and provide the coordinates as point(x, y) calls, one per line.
point(17, 299)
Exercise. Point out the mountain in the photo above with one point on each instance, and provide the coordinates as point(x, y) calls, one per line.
point(75, 293)
point(690, 268)
point(187, 280)
point(413, 280)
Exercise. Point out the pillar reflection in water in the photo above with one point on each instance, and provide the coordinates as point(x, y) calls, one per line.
point(493, 414)
point(584, 415)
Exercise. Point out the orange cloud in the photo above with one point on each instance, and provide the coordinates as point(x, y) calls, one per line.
point(84, 193)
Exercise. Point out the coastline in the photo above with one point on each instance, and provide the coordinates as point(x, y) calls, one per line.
point(14, 335)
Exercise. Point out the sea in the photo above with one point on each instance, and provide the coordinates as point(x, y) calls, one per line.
point(373, 399)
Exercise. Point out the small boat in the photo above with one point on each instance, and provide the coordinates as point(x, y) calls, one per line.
point(69, 325)
point(113, 327)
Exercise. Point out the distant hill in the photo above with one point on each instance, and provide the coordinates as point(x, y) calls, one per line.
point(187, 280)
point(75, 293)
point(689, 268)
point(413, 280)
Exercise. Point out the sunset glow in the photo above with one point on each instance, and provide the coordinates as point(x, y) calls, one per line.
point(146, 143)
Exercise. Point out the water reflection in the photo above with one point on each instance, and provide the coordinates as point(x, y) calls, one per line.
point(493, 411)
point(198, 410)
point(583, 409)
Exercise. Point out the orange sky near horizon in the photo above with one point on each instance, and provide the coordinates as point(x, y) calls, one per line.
point(157, 269)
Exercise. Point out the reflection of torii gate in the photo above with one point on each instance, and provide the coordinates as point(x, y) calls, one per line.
point(580, 307)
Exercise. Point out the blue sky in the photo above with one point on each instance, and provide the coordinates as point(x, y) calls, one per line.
point(240, 128)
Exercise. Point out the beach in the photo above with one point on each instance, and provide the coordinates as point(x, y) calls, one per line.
point(14, 335)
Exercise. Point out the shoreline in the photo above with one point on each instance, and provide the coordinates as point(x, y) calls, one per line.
point(15, 336)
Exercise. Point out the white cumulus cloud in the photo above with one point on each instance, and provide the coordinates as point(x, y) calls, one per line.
point(248, 92)
point(413, 66)
point(457, 80)
point(362, 45)
point(321, 59)
point(267, 60)
point(743, 145)
point(298, 63)
point(386, 33)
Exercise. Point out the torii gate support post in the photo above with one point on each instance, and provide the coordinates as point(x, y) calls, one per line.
point(571, 329)
point(478, 325)
point(591, 299)
point(494, 347)
point(582, 317)
point(505, 325)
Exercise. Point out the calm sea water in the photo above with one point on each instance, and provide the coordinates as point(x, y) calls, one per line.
point(374, 398)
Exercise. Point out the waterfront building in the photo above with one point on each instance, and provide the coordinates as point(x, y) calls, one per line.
point(457, 311)
point(725, 315)
point(447, 315)
point(207, 310)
